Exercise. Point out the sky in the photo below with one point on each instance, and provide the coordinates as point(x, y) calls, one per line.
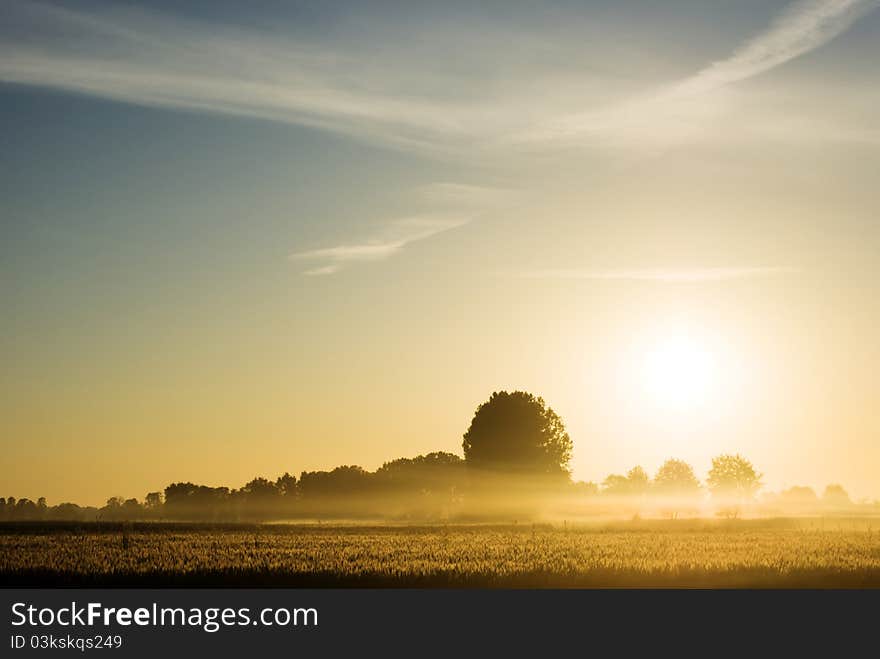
point(243, 240)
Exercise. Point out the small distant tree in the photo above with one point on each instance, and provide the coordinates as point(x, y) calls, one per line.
point(835, 496)
point(800, 494)
point(260, 490)
point(286, 485)
point(518, 433)
point(67, 511)
point(343, 481)
point(615, 485)
point(257, 499)
point(191, 501)
point(153, 500)
point(635, 483)
point(798, 498)
point(131, 509)
point(676, 477)
point(675, 480)
point(433, 479)
point(638, 480)
point(585, 488)
point(732, 476)
point(26, 509)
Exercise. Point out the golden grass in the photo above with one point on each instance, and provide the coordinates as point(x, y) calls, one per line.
point(739, 553)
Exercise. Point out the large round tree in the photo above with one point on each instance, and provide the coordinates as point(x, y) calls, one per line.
point(517, 433)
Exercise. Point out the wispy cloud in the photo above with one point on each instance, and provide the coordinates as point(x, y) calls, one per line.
point(159, 60)
point(467, 195)
point(801, 28)
point(676, 111)
point(671, 276)
point(452, 205)
point(411, 102)
point(394, 237)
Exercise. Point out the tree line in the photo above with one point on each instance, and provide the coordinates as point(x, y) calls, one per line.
point(516, 450)
point(430, 479)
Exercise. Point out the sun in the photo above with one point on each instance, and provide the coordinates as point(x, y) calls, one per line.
point(679, 372)
point(683, 376)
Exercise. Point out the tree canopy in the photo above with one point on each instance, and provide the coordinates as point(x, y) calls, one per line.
point(733, 476)
point(635, 483)
point(518, 433)
point(835, 495)
point(676, 477)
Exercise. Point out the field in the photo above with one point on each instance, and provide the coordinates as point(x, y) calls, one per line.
point(811, 553)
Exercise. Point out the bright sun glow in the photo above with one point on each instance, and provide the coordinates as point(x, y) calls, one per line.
point(679, 373)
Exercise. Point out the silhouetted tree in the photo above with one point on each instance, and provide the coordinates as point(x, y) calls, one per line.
point(131, 509)
point(343, 481)
point(437, 472)
point(25, 509)
point(190, 501)
point(258, 499)
point(260, 489)
point(517, 433)
point(110, 510)
point(286, 485)
point(153, 500)
point(68, 511)
point(426, 485)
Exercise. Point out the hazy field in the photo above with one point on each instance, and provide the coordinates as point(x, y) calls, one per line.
point(684, 553)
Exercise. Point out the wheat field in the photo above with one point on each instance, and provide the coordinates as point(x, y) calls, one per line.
point(655, 553)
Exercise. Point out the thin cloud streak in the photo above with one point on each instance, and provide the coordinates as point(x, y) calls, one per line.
point(801, 28)
point(467, 195)
point(156, 60)
point(677, 111)
point(396, 237)
point(663, 276)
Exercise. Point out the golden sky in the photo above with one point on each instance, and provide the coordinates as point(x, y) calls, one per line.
point(235, 246)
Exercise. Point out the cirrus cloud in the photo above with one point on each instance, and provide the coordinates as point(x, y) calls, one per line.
point(393, 238)
point(669, 276)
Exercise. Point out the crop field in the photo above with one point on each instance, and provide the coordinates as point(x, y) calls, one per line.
point(646, 553)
